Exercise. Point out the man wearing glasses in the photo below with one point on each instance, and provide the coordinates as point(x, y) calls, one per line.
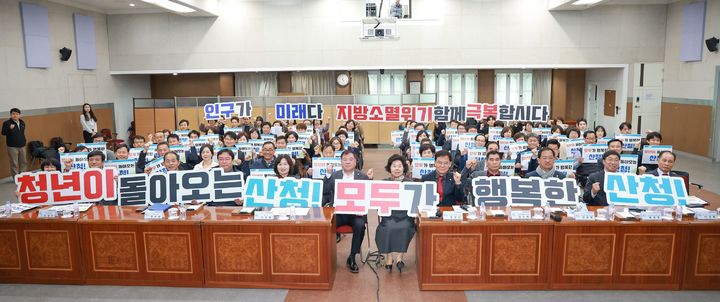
point(594, 193)
point(546, 166)
point(449, 184)
point(267, 159)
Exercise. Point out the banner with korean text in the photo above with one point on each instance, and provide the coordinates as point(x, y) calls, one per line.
point(358, 196)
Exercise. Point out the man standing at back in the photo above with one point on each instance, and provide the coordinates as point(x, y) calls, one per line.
point(14, 131)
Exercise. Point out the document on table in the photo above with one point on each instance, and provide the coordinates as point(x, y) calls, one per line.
point(286, 211)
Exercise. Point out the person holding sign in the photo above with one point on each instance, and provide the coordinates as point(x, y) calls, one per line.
point(464, 162)
point(207, 163)
point(666, 161)
point(267, 159)
point(50, 165)
point(171, 162)
point(405, 144)
point(527, 160)
point(493, 160)
point(122, 152)
point(652, 139)
point(285, 167)
point(546, 166)
point(449, 184)
point(160, 150)
point(394, 233)
point(184, 125)
point(594, 193)
point(96, 159)
point(357, 222)
point(613, 145)
point(585, 169)
point(225, 159)
point(625, 128)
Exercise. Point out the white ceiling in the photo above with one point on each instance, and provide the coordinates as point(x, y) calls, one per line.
point(114, 7)
point(568, 4)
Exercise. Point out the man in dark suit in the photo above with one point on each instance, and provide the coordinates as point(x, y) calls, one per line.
point(546, 168)
point(666, 161)
point(357, 222)
point(594, 193)
point(449, 183)
point(267, 157)
point(14, 130)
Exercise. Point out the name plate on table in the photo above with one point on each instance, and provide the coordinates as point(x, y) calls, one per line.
point(584, 216)
point(705, 214)
point(47, 214)
point(452, 216)
point(520, 215)
point(150, 214)
point(651, 216)
point(263, 215)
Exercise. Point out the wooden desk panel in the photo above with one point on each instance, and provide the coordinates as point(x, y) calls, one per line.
point(122, 248)
point(35, 250)
point(702, 269)
point(241, 252)
point(619, 255)
point(492, 254)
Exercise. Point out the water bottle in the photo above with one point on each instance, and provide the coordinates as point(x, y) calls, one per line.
point(76, 209)
point(8, 209)
point(292, 213)
point(508, 210)
point(482, 210)
point(183, 210)
point(611, 211)
point(678, 212)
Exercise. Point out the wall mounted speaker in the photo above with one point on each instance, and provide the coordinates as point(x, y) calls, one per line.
point(65, 54)
point(712, 44)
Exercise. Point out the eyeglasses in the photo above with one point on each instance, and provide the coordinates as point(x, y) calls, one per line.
point(442, 163)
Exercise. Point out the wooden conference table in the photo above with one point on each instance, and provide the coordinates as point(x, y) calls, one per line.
point(116, 245)
point(501, 254)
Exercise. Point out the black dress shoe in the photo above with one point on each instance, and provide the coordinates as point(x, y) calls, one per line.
point(400, 265)
point(352, 265)
point(388, 267)
point(337, 237)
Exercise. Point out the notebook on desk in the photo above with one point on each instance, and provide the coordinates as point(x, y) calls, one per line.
point(159, 207)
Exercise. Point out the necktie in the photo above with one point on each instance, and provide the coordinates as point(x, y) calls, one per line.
point(440, 187)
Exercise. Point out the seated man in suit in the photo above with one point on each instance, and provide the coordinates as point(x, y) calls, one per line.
point(594, 193)
point(449, 184)
point(546, 166)
point(349, 162)
point(666, 161)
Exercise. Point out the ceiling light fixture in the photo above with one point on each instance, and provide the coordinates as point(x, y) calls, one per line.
point(132, 4)
point(173, 6)
point(586, 2)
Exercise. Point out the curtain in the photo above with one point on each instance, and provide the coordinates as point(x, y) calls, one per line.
point(542, 85)
point(256, 84)
point(360, 83)
point(313, 82)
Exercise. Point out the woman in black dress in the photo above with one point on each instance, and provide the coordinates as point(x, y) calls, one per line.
point(394, 233)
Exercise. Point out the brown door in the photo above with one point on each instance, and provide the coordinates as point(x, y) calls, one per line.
point(609, 103)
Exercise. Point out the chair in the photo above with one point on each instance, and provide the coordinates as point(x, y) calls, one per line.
point(111, 138)
point(343, 230)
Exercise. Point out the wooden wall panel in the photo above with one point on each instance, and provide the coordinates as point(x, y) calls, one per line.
point(227, 84)
point(145, 121)
point(486, 86)
point(192, 85)
point(568, 93)
point(575, 107)
point(165, 119)
point(284, 82)
point(193, 114)
point(63, 124)
point(558, 94)
point(686, 127)
point(414, 76)
point(629, 112)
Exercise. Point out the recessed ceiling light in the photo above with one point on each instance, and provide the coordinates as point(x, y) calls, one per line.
point(132, 4)
point(586, 2)
point(171, 5)
point(174, 73)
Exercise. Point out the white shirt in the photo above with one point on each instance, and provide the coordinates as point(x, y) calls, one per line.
point(89, 126)
point(350, 176)
point(200, 167)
